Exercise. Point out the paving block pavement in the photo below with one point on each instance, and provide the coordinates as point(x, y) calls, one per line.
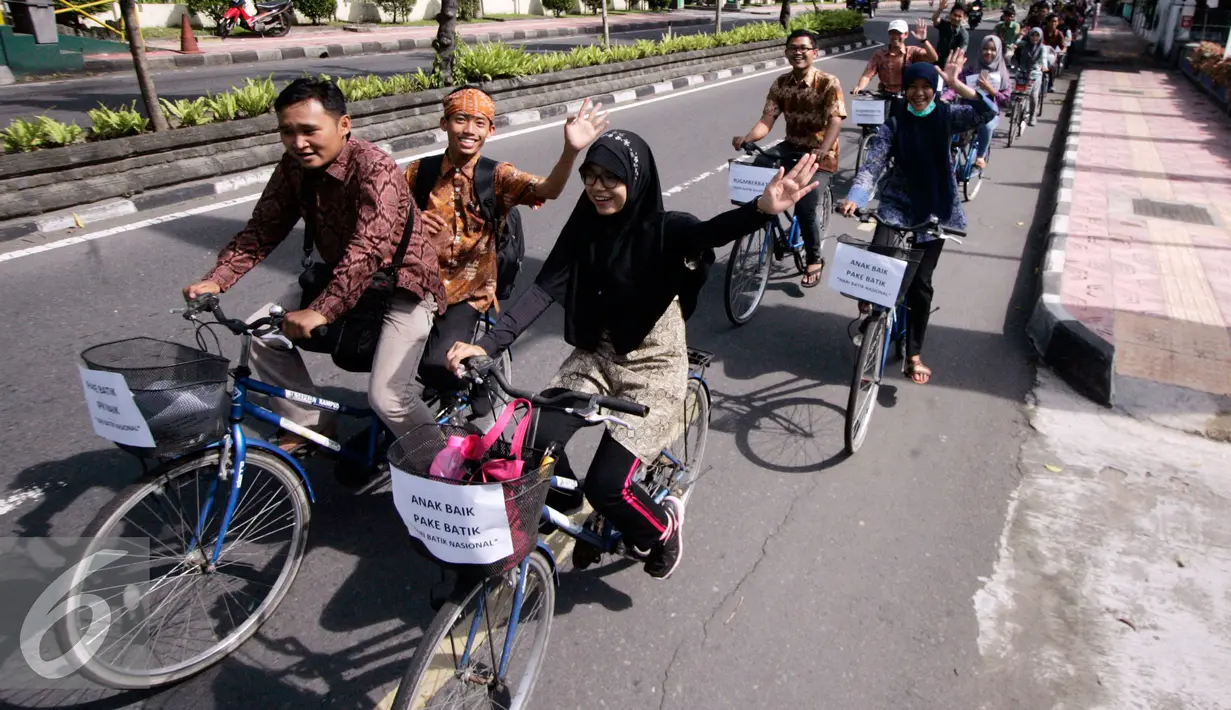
point(1138, 274)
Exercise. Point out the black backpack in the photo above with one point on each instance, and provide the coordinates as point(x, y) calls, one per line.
point(510, 240)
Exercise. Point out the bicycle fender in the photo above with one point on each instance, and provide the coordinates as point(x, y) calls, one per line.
point(286, 458)
point(551, 560)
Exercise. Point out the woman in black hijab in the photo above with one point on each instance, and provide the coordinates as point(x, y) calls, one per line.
point(628, 274)
point(921, 184)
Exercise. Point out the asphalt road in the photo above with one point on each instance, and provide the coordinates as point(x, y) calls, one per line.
point(70, 99)
point(810, 580)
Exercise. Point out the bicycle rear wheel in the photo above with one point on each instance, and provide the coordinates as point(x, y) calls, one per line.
point(972, 184)
point(1014, 121)
point(747, 275)
point(864, 145)
point(457, 662)
point(869, 367)
point(151, 639)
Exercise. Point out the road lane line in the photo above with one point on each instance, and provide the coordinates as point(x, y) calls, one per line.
point(80, 239)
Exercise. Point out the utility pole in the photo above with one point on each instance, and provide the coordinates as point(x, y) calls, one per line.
point(149, 95)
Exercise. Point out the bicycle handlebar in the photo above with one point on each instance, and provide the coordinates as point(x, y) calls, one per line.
point(933, 225)
point(482, 366)
point(208, 303)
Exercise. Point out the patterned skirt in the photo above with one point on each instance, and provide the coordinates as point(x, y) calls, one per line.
point(655, 374)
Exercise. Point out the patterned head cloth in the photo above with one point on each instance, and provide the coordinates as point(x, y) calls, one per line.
point(471, 102)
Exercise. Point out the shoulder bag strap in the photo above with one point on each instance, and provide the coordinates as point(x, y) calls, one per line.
point(307, 206)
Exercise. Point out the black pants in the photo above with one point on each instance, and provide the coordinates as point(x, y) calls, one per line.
point(808, 210)
point(608, 485)
point(457, 324)
point(919, 292)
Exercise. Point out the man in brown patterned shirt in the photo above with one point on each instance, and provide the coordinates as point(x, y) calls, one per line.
point(464, 241)
point(359, 206)
point(814, 107)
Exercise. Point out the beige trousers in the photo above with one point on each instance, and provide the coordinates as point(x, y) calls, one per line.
point(392, 388)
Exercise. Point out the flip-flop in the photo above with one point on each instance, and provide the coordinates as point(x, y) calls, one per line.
point(914, 367)
point(815, 282)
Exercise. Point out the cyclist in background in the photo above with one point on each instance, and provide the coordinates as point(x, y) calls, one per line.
point(1033, 60)
point(888, 63)
point(1057, 39)
point(953, 33)
point(993, 82)
point(1008, 29)
point(813, 105)
point(921, 184)
point(628, 274)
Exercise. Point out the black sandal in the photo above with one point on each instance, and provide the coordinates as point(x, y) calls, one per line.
point(811, 278)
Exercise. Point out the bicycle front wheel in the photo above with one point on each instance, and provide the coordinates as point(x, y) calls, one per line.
point(194, 612)
point(457, 664)
point(747, 275)
point(865, 386)
point(677, 469)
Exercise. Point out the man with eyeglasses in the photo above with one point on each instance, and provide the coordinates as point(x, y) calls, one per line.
point(463, 229)
point(814, 108)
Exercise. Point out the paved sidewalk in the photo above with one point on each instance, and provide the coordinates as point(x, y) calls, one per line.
point(1146, 263)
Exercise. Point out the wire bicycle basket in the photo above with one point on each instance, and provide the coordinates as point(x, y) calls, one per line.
point(180, 391)
point(523, 498)
point(900, 252)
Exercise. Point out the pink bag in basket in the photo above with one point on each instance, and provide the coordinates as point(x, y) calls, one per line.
point(506, 469)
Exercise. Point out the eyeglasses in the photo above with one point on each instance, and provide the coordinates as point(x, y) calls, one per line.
point(797, 49)
point(608, 180)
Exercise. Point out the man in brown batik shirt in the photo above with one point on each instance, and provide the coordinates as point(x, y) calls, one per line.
point(360, 209)
point(813, 104)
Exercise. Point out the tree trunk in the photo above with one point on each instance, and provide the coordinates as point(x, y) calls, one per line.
point(606, 33)
point(148, 94)
point(446, 39)
point(718, 15)
point(784, 15)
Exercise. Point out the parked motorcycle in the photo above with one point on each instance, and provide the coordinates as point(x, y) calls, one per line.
point(272, 19)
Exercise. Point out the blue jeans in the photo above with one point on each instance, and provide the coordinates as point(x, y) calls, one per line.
point(983, 137)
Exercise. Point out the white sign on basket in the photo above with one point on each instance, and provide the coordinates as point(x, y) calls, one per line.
point(859, 273)
point(113, 412)
point(868, 113)
point(746, 182)
point(457, 524)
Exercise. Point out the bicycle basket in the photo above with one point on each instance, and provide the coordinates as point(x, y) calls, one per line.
point(447, 525)
point(912, 257)
point(180, 391)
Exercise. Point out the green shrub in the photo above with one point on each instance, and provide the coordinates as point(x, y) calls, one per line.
point(223, 106)
point(213, 9)
point(255, 97)
point(468, 10)
point(594, 5)
point(487, 61)
point(187, 113)
point(365, 88)
point(22, 136)
point(317, 10)
point(115, 123)
point(400, 9)
point(55, 134)
point(659, 5)
point(559, 7)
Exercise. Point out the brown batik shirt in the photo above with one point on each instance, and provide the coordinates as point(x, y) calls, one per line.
point(361, 209)
point(808, 103)
point(467, 250)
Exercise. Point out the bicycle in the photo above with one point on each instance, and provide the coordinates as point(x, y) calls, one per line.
point(749, 263)
point(964, 152)
point(882, 327)
point(468, 655)
point(207, 498)
point(1018, 108)
point(869, 117)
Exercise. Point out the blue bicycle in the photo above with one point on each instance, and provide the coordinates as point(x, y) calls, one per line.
point(749, 263)
point(487, 644)
point(226, 513)
point(881, 327)
point(970, 176)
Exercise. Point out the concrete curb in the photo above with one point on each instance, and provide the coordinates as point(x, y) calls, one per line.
point(1079, 355)
point(352, 49)
point(154, 199)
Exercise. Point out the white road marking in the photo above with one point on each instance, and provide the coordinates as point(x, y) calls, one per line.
point(81, 239)
point(29, 494)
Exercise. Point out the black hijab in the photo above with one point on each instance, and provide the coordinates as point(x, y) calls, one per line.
point(922, 144)
point(619, 273)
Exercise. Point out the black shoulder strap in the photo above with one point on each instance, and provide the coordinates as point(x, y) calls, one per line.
point(485, 191)
point(425, 179)
point(400, 253)
point(307, 206)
